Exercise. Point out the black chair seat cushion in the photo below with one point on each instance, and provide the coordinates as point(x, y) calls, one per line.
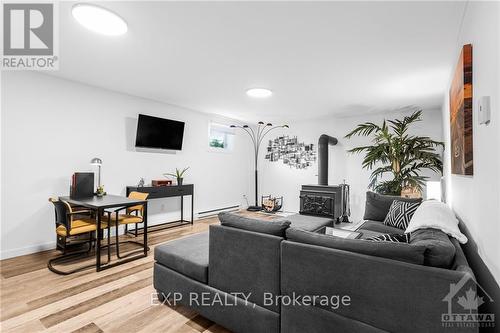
point(188, 256)
point(413, 254)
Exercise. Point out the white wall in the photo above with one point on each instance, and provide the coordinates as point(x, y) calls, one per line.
point(279, 179)
point(52, 128)
point(476, 199)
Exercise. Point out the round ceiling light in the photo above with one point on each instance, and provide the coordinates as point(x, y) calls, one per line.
point(99, 19)
point(259, 92)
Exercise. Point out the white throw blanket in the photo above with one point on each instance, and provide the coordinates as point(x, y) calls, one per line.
point(437, 215)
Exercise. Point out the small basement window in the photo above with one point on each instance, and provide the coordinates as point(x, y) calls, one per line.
point(220, 137)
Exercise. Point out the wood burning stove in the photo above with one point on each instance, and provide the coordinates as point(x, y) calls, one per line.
point(323, 199)
point(328, 201)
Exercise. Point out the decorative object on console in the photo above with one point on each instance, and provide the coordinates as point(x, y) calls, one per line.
point(160, 182)
point(292, 152)
point(271, 204)
point(257, 136)
point(141, 183)
point(178, 174)
point(461, 115)
point(401, 154)
point(97, 161)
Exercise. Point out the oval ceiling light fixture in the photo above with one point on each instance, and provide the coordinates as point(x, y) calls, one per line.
point(259, 92)
point(99, 19)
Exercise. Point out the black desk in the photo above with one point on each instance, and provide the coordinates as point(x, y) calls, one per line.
point(99, 204)
point(156, 192)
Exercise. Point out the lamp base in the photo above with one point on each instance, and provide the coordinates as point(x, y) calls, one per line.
point(254, 208)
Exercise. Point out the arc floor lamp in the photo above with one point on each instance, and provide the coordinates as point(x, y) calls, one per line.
point(257, 136)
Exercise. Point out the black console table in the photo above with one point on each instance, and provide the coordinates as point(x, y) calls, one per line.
point(156, 192)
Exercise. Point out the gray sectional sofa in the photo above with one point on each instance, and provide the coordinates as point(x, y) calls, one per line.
point(230, 274)
point(237, 262)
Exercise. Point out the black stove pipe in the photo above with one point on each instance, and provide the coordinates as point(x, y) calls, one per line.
point(323, 143)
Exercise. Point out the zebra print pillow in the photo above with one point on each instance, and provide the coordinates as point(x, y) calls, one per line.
point(400, 214)
point(395, 238)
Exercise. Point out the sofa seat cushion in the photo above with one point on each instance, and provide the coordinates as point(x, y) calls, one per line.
point(439, 250)
point(413, 254)
point(275, 227)
point(309, 223)
point(188, 256)
point(379, 227)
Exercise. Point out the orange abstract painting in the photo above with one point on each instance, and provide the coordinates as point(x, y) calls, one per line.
point(461, 115)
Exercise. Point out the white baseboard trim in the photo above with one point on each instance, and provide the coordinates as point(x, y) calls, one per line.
point(214, 212)
point(20, 251)
point(11, 253)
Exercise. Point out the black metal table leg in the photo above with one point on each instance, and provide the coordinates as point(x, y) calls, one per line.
point(145, 220)
point(182, 208)
point(98, 241)
point(192, 207)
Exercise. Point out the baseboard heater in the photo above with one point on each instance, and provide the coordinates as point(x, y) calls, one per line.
point(213, 212)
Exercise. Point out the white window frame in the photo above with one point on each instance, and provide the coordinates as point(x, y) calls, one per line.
point(228, 134)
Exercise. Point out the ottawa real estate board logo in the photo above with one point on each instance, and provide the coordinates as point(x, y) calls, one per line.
point(465, 299)
point(30, 36)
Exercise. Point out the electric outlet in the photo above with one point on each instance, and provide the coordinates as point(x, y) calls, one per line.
point(484, 110)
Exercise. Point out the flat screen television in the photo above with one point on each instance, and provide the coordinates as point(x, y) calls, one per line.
point(160, 133)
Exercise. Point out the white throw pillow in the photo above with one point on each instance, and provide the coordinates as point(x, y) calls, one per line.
point(437, 215)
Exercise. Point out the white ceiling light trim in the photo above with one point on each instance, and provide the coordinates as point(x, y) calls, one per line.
point(259, 92)
point(99, 19)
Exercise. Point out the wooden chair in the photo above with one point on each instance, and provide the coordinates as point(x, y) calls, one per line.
point(72, 224)
point(133, 215)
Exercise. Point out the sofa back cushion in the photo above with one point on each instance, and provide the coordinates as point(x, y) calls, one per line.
point(410, 253)
point(439, 250)
point(276, 228)
point(377, 205)
point(242, 261)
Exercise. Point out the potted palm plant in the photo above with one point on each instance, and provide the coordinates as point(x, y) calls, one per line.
point(396, 153)
point(179, 174)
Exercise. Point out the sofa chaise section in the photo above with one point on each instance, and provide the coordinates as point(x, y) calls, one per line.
point(187, 256)
point(244, 263)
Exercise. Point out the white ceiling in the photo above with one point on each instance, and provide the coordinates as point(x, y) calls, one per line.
point(318, 58)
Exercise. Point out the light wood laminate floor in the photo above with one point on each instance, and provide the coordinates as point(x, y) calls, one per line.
point(33, 299)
